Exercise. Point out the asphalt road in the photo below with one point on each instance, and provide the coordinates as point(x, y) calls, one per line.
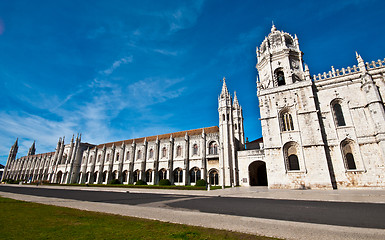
point(367, 215)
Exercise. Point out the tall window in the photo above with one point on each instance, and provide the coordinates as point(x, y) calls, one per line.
point(151, 153)
point(139, 154)
point(149, 176)
point(287, 122)
point(280, 77)
point(338, 114)
point(214, 177)
point(164, 152)
point(104, 176)
point(108, 158)
point(136, 175)
point(117, 157)
point(99, 157)
point(195, 175)
point(179, 151)
point(347, 151)
point(91, 159)
point(195, 149)
point(128, 156)
point(213, 148)
point(178, 175)
point(125, 174)
point(291, 156)
point(162, 174)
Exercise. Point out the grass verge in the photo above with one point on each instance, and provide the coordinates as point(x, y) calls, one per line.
point(25, 220)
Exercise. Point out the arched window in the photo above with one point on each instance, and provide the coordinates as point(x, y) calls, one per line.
point(164, 152)
point(195, 175)
point(347, 147)
point(104, 176)
point(162, 174)
point(115, 175)
point(235, 126)
point(338, 114)
point(136, 175)
point(91, 158)
point(286, 122)
point(108, 158)
point(88, 177)
point(213, 148)
point(99, 158)
point(223, 117)
point(178, 175)
point(291, 156)
point(151, 155)
point(213, 177)
point(280, 77)
point(117, 157)
point(95, 177)
point(293, 162)
point(84, 159)
point(125, 174)
point(149, 176)
point(179, 151)
point(128, 156)
point(139, 154)
point(195, 149)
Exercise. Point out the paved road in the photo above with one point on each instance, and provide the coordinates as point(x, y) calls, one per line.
point(367, 215)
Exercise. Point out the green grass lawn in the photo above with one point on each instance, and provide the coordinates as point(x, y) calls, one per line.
point(24, 220)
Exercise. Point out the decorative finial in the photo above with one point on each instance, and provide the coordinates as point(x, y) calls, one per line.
point(273, 28)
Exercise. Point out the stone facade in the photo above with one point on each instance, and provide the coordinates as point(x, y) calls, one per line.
point(182, 157)
point(321, 131)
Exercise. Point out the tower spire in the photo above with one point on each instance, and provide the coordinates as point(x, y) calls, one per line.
point(225, 91)
point(235, 103)
point(32, 149)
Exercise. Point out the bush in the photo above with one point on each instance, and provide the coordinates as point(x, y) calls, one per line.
point(140, 182)
point(164, 182)
point(11, 181)
point(115, 181)
point(201, 183)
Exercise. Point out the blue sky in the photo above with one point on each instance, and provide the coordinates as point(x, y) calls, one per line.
point(115, 70)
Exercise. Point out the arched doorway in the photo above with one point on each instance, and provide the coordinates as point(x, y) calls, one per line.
point(58, 177)
point(257, 173)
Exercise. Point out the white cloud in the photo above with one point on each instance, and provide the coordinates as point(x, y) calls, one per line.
point(117, 64)
point(153, 90)
point(166, 52)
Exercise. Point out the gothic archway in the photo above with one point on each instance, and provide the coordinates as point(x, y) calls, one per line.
point(257, 173)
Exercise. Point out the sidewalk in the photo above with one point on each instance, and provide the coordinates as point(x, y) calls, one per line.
point(340, 195)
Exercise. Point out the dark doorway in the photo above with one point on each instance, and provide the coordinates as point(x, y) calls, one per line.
point(257, 173)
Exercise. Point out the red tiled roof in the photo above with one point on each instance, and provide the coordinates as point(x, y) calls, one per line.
point(163, 136)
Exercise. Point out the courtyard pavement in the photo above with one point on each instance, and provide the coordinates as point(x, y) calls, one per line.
point(266, 227)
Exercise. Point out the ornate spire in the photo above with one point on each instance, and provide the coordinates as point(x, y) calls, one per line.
point(361, 63)
point(32, 149)
point(224, 92)
point(16, 142)
point(235, 103)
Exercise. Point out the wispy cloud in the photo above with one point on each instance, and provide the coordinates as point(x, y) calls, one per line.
point(166, 52)
point(117, 64)
point(2, 28)
point(153, 90)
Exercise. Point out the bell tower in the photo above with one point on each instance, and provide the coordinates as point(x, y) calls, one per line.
point(279, 60)
point(289, 115)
